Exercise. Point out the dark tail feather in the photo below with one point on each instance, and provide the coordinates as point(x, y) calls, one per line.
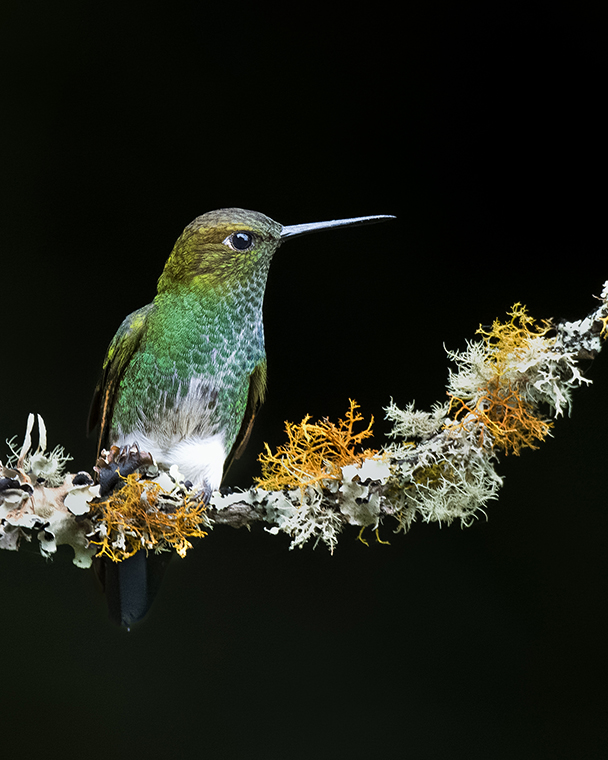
point(131, 585)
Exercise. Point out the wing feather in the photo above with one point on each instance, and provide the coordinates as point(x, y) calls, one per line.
point(119, 354)
point(255, 399)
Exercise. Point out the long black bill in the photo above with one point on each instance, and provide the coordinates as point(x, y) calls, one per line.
point(295, 230)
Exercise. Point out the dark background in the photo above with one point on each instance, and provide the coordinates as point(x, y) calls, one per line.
point(483, 131)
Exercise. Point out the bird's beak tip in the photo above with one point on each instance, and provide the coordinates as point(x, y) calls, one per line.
point(295, 230)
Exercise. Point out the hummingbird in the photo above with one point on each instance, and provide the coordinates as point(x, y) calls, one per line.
point(185, 376)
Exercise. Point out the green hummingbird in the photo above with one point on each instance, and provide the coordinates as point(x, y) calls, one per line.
point(184, 376)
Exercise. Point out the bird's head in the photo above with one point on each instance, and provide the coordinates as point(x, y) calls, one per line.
point(223, 248)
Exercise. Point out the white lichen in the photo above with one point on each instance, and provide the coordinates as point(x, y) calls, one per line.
point(33, 506)
point(306, 518)
point(411, 423)
point(41, 466)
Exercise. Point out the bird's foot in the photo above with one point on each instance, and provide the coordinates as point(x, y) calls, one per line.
point(117, 463)
point(203, 493)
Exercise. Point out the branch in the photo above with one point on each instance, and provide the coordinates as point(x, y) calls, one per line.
point(438, 466)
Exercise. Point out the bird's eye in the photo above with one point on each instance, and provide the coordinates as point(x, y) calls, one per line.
point(240, 241)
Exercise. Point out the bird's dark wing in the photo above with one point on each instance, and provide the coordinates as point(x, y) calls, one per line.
point(257, 392)
point(121, 349)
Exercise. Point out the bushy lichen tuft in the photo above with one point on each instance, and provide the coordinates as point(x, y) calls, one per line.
point(143, 515)
point(315, 452)
point(319, 475)
point(502, 380)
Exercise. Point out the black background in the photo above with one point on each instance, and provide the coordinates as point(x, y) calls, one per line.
point(484, 132)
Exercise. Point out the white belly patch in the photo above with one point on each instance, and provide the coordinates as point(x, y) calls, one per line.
point(200, 460)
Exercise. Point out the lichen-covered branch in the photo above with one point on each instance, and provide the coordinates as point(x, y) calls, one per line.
point(504, 393)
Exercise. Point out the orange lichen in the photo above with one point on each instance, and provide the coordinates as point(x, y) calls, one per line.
point(500, 408)
point(509, 341)
point(512, 423)
point(315, 452)
point(132, 519)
